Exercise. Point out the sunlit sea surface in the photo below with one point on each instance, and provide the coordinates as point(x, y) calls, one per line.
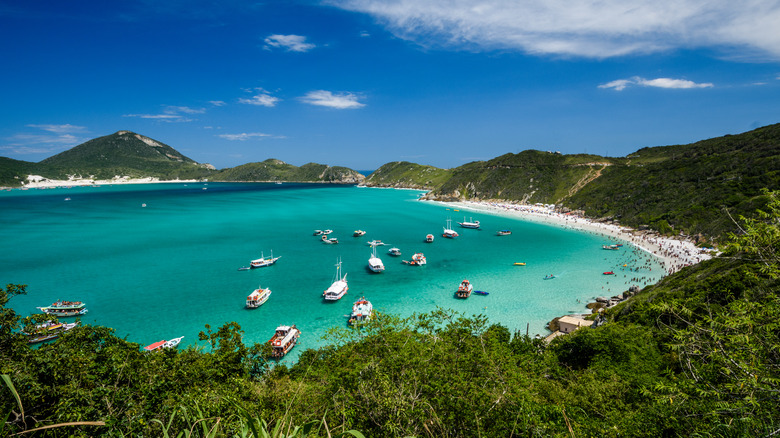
point(159, 261)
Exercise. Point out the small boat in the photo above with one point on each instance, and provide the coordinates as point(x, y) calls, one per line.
point(317, 232)
point(158, 346)
point(47, 331)
point(244, 268)
point(394, 251)
point(262, 261)
point(257, 298)
point(67, 199)
point(519, 263)
point(65, 308)
point(609, 273)
point(503, 233)
point(339, 287)
point(326, 232)
point(362, 311)
point(470, 224)
point(610, 247)
point(329, 241)
point(481, 292)
point(464, 289)
point(359, 233)
point(375, 263)
point(429, 238)
point(448, 231)
point(284, 340)
point(376, 243)
point(418, 259)
point(549, 277)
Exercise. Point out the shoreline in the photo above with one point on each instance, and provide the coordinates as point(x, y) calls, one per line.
point(673, 254)
point(40, 182)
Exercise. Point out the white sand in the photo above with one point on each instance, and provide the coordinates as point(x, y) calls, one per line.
point(39, 182)
point(674, 254)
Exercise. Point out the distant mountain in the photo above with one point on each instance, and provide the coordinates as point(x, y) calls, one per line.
point(127, 153)
point(408, 175)
point(277, 170)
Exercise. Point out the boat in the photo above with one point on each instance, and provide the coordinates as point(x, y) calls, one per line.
point(394, 251)
point(257, 298)
point(327, 240)
point(362, 311)
point(503, 233)
point(519, 263)
point(470, 224)
point(65, 308)
point(47, 331)
point(610, 247)
point(448, 231)
point(376, 243)
point(429, 238)
point(317, 232)
point(284, 340)
point(326, 232)
point(418, 259)
point(339, 287)
point(160, 345)
point(359, 233)
point(262, 261)
point(375, 263)
point(481, 292)
point(464, 289)
point(244, 268)
point(549, 277)
point(609, 273)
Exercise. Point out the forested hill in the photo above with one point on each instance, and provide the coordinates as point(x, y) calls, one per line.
point(277, 170)
point(694, 188)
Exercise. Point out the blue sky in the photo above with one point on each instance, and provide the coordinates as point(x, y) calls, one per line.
point(360, 83)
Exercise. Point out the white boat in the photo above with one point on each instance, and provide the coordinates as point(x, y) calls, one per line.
point(257, 298)
point(465, 289)
point(376, 243)
point(65, 308)
point(394, 251)
point(327, 240)
point(47, 331)
point(503, 233)
point(418, 259)
point(362, 311)
point(448, 231)
point(375, 263)
point(159, 345)
point(326, 232)
point(283, 340)
point(339, 287)
point(429, 238)
point(470, 224)
point(262, 261)
point(359, 233)
point(317, 232)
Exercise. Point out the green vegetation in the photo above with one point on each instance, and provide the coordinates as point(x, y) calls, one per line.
point(696, 355)
point(408, 175)
point(277, 170)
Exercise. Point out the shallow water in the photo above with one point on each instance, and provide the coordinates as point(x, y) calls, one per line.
point(166, 269)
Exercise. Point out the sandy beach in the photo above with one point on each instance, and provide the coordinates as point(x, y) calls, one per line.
point(40, 182)
point(674, 254)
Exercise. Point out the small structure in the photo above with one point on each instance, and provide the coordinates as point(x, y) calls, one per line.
point(568, 324)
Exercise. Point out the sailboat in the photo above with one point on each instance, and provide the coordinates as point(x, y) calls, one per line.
point(339, 287)
point(262, 261)
point(375, 263)
point(448, 231)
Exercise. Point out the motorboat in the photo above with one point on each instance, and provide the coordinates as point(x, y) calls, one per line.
point(262, 261)
point(358, 233)
point(160, 345)
point(464, 289)
point(317, 232)
point(65, 308)
point(339, 287)
point(481, 292)
point(609, 273)
point(429, 238)
point(610, 247)
point(330, 240)
point(283, 340)
point(257, 298)
point(418, 259)
point(47, 331)
point(376, 243)
point(394, 251)
point(362, 311)
point(326, 232)
point(470, 224)
point(549, 277)
point(503, 233)
point(375, 263)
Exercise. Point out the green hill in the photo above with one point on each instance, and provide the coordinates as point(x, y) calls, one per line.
point(126, 153)
point(408, 175)
point(277, 170)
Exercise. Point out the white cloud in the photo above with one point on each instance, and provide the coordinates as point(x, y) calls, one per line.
point(170, 114)
point(587, 28)
point(327, 98)
point(183, 109)
point(217, 102)
point(59, 129)
point(32, 144)
point(291, 43)
point(262, 98)
point(243, 136)
point(621, 84)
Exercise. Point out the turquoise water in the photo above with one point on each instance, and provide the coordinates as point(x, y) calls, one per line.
point(167, 269)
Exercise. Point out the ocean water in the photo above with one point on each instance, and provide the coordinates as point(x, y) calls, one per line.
point(160, 261)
